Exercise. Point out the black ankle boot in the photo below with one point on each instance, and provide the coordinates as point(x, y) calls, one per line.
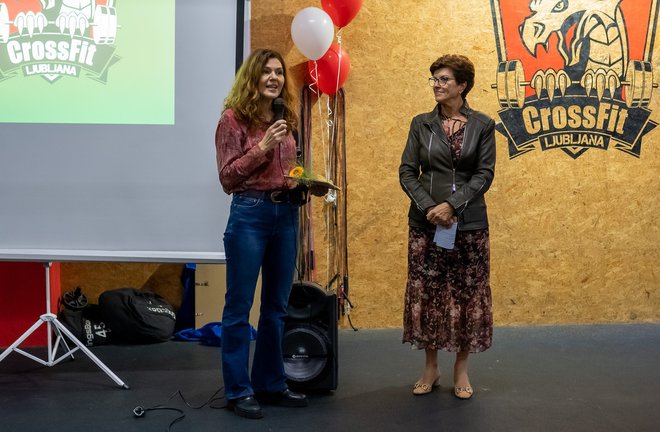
point(246, 406)
point(284, 398)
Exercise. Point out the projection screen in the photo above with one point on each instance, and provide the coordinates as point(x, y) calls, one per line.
point(107, 128)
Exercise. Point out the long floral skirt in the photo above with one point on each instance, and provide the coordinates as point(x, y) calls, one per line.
point(448, 302)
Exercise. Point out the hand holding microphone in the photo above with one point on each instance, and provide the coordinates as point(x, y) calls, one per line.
point(278, 130)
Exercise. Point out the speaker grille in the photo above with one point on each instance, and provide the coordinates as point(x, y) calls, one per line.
point(305, 353)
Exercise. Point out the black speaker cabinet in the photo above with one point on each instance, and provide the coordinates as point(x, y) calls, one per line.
point(310, 338)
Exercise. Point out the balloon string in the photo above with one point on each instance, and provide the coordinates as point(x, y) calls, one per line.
point(315, 78)
point(331, 135)
point(313, 86)
point(331, 113)
point(339, 61)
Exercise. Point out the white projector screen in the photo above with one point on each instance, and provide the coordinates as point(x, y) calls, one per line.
point(121, 191)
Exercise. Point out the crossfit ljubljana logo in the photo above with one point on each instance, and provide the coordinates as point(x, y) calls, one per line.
point(56, 38)
point(574, 75)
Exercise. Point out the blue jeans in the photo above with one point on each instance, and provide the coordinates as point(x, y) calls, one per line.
point(259, 235)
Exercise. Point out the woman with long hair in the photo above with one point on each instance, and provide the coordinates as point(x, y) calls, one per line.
point(255, 152)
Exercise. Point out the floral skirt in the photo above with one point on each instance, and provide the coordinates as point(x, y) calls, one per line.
point(448, 302)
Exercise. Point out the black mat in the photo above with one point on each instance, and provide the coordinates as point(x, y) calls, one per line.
point(567, 378)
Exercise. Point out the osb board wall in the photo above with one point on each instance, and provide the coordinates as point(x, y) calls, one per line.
point(95, 278)
point(572, 240)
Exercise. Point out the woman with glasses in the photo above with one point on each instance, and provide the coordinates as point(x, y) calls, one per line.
point(447, 166)
point(255, 152)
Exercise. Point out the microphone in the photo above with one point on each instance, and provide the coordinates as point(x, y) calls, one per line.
point(278, 109)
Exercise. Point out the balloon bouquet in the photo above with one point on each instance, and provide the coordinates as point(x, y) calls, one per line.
point(312, 31)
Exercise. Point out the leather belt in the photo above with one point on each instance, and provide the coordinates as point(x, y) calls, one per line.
point(288, 196)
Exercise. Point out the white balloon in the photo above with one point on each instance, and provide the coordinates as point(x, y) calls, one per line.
point(312, 31)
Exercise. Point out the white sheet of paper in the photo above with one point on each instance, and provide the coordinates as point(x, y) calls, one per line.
point(445, 237)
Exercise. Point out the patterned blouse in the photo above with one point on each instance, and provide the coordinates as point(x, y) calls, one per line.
point(242, 165)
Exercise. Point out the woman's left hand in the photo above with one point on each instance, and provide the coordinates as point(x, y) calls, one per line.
point(442, 214)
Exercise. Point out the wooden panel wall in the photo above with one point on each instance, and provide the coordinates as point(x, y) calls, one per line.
point(572, 241)
point(95, 278)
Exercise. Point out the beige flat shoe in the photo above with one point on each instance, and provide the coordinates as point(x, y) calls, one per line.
point(463, 392)
point(421, 388)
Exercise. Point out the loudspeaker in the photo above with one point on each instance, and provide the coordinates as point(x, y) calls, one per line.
point(310, 338)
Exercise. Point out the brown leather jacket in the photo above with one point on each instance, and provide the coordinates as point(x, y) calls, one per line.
point(427, 171)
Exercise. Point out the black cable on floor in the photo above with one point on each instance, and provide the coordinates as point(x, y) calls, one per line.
point(140, 411)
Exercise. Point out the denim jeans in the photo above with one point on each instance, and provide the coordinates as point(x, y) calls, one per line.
point(259, 235)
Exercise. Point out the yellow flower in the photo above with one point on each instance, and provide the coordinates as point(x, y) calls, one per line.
point(297, 172)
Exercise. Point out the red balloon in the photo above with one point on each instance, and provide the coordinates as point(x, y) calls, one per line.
point(341, 11)
point(334, 62)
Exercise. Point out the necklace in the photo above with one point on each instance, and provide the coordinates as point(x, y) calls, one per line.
point(451, 125)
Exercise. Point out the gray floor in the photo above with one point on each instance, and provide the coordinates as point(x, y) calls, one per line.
point(568, 378)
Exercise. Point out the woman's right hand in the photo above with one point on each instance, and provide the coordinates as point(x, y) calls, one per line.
point(274, 135)
point(441, 214)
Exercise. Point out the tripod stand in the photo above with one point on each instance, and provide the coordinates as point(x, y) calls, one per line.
point(60, 330)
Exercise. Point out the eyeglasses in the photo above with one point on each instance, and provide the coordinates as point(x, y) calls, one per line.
point(443, 80)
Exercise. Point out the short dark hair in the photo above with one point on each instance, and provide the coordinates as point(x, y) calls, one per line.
point(462, 67)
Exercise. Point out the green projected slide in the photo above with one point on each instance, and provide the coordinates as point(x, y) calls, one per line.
point(87, 61)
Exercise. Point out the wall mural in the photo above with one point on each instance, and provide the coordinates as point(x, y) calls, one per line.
point(574, 75)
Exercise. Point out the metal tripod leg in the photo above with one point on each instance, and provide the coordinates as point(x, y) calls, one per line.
point(51, 320)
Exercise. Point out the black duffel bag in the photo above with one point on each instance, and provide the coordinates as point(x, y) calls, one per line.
point(83, 320)
point(136, 316)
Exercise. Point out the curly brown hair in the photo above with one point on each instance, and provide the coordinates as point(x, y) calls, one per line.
point(244, 95)
point(462, 67)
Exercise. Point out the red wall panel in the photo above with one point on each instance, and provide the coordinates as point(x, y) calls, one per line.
point(23, 300)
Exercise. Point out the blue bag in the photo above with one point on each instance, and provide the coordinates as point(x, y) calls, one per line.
point(209, 334)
